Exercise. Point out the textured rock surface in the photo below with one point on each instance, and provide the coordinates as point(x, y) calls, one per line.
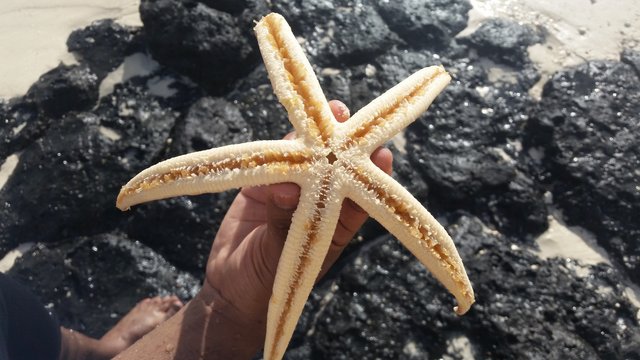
point(424, 23)
point(21, 124)
point(486, 157)
point(65, 181)
point(104, 44)
point(339, 32)
point(204, 43)
point(64, 89)
point(384, 305)
point(504, 41)
point(90, 282)
point(588, 128)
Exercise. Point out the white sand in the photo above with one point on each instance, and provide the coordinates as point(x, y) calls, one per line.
point(577, 30)
point(7, 168)
point(33, 35)
point(10, 258)
point(137, 64)
point(571, 242)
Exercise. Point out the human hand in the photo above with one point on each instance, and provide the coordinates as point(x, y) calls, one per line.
point(245, 254)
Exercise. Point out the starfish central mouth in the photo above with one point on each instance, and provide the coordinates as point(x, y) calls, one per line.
point(332, 158)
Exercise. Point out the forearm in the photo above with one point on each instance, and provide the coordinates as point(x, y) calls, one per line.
point(206, 328)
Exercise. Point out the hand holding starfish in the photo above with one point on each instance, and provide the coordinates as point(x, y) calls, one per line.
point(244, 257)
point(242, 268)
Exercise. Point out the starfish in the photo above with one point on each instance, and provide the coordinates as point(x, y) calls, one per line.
point(330, 162)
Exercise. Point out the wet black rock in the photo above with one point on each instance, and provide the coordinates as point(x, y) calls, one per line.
point(385, 305)
point(338, 33)
point(206, 44)
point(191, 222)
point(468, 148)
point(90, 282)
point(22, 122)
point(104, 44)
point(255, 98)
point(423, 23)
point(230, 6)
point(404, 172)
point(587, 129)
point(632, 58)
point(66, 182)
point(65, 88)
point(504, 41)
point(181, 229)
point(210, 122)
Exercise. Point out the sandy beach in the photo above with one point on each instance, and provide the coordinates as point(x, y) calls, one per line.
point(33, 35)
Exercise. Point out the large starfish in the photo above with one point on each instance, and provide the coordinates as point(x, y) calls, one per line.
point(330, 162)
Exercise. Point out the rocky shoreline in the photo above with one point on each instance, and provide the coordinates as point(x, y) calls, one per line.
point(487, 159)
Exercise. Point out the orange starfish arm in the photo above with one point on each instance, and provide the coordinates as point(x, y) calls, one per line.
point(312, 228)
point(405, 218)
point(216, 170)
point(392, 111)
point(294, 81)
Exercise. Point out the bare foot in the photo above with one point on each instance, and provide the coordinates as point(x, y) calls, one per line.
point(140, 320)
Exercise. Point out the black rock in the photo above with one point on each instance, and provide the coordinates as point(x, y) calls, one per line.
point(384, 305)
point(259, 106)
point(423, 23)
point(338, 33)
point(504, 41)
point(404, 172)
point(631, 58)
point(191, 222)
point(467, 148)
point(90, 282)
point(104, 44)
point(210, 122)
point(22, 123)
point(587, 128)
point(66, 182)
point(230, 6)
point(65, 88)
point(203, 43)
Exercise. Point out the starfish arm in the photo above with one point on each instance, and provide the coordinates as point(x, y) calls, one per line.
point(293, 80)
point(404, 217)
point(312, 228)
point(392, 111)
point(216, 170)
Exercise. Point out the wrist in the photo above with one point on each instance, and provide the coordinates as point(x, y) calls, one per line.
point(231, 333)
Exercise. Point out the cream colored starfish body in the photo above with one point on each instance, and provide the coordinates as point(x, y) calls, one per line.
point(330, 162)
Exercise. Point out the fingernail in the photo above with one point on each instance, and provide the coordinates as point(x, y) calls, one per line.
point(344, 111)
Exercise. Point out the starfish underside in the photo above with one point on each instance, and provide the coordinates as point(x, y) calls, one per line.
point(329, 161)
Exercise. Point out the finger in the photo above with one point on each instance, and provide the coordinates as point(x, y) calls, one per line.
point(282, 201)
point(340, 110)
point(351, 215)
